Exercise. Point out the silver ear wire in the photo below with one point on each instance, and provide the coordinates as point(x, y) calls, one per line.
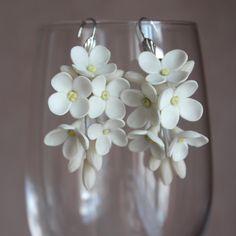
point(147, 43)
point(91, 41)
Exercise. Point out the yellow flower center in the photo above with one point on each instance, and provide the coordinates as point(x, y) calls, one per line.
point(72, 96)
point(147, 103)
point(91, 68)
point(106, 131)
point(174, 100)
point(164, 72)
point(71, 133)
point(181, 140)
point(105, 95)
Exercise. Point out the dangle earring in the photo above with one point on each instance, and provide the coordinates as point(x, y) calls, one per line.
point(89, 90)
point(162, 99)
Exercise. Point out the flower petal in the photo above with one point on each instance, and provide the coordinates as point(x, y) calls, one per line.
point(180, 168)
point(96, 107)
point(134, 77)
point(89, 175)
point(106, 69)
point(153, 163)
point(138, 145)
point(95, 131)
point(155, 139)
point(115, 108)
point(83, 86)
point(132, 97)
point(69, 70)
point(187, 89)
point(99, 85)
point(174, 59)
point(83, 140)
point(188, 67)
point(99, 55)
point(137, 118)
point(149, 62)
point(62, 82)
point(93, 158)
point(155, 79)
point(136, 133)
point(190, 109)
point(59, 104)
point(71, 147)
point(195, 139)
point(79, 57)
point(119, 137)
point(177, 76)
point(114, 124)
point(166, 173)
point(80, 108)
point(169, 117)
point(179, 151)
point(75, 162)
point(115, 75)
point(103, 145)
point(55, 137)
point(165, 97)
point(149, 92)
point(115, 87)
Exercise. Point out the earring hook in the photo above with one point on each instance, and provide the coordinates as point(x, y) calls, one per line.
point(147, 43)
point(90, 42)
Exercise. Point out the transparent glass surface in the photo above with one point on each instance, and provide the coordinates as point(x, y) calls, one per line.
point(128, 199)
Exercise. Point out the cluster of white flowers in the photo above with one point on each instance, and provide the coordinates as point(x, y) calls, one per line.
point(88, 89)
point(95, 94)
point(163, 97)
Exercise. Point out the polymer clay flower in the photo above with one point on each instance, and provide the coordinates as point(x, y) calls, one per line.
point(166, 166)
point(176, 103)
point(88, 175)
point(71, 95)
point(145, 102)
point(143, 140)
point(166, 70)
point(74, 143)
point(106, 98)
point(106, 134)
point(178, 149)
point(94, 63)
point(167, 169)
point(93, 157)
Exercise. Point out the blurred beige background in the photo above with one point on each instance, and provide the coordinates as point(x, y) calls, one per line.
point(19, 21)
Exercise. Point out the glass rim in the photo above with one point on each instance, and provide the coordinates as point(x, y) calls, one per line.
point(119, 22)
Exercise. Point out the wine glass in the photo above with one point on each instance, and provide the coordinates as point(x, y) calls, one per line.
point(128, 199)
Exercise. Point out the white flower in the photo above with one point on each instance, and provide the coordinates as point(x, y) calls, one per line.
point(178, 149)
point(143, 140)
point(169, 69)
point(106, 98)
point(146, 103)
point(93, 157)
point(71, 95)
point(93, 63)
point(167, 167)
point(176, 103)
point(74, 143)
point(89, 175)
point(106, 134)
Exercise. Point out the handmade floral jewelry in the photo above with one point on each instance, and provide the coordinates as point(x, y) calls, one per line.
point(93, 88)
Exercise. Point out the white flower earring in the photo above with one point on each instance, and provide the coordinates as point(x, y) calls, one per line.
point(163, 97)
point(89, 89)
